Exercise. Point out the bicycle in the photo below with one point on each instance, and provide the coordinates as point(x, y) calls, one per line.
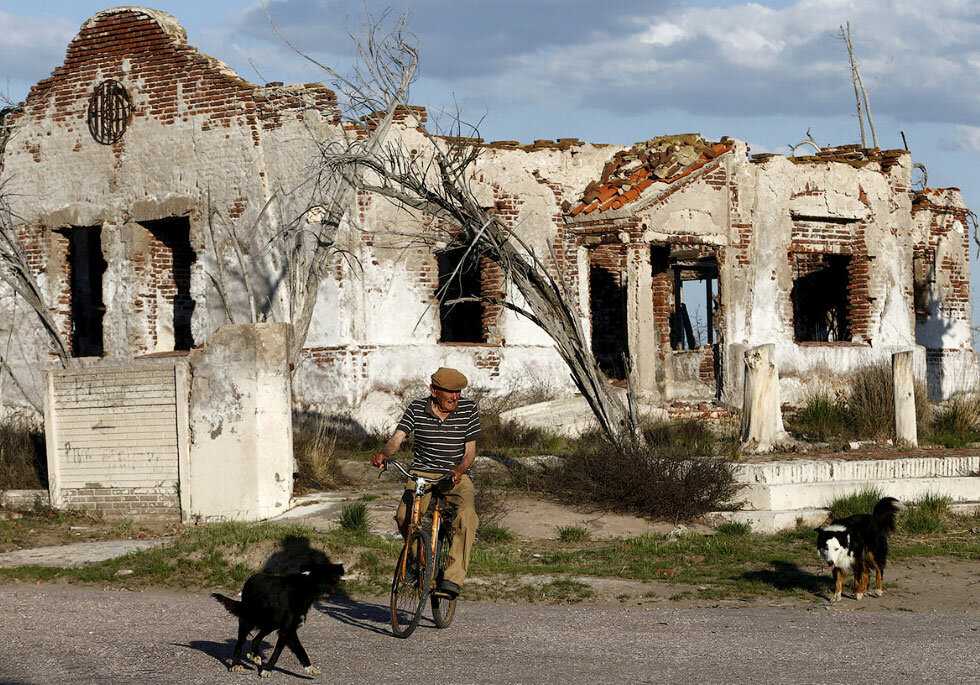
point(420, 563)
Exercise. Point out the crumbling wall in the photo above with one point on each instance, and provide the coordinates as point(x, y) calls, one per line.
point(848, 203)
point(201, 145)
point(941, 290)
point(205, 146)
point(388, 336)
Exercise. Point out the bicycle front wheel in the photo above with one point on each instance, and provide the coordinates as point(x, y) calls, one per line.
point(410, 584)
point(443, 608)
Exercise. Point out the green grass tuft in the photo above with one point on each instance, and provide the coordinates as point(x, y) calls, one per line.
point(928, 514)
point(353, 517)
point(572, 534)
point(857, 503)
point(494, 534)
point(734, 529)
point(821, 418)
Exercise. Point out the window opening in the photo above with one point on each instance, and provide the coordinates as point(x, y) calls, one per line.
point(607, 304)
point(696, 292)
point(459, 322)
point(819, 295)
point(172, 266)
point(87, 309)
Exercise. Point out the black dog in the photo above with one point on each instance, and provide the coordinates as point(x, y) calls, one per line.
point(278, 602)
point(857, 544)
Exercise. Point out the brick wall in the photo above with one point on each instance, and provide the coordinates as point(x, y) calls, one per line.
point(810, 240)
point(114, 503)
point(136, 47)
point(941, 215)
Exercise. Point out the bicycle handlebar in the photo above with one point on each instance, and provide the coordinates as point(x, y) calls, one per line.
point(432, 483)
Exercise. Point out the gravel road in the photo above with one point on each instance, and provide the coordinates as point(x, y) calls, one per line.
point(68, 634)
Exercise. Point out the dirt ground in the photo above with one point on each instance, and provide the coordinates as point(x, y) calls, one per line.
point(46, 527)
point(916, 584)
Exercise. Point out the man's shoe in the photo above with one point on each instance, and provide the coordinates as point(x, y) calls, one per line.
point(448, 588)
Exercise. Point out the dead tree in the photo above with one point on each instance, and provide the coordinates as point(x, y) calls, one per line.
point(15, 270)
point(300, 243)
point(435, 185)
point(860, 93)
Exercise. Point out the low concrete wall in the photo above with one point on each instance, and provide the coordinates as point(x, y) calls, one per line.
point(202, 436)
point(777, 493)
point(800, 471)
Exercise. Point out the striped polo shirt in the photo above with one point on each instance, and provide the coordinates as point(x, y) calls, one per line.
point(439, 445)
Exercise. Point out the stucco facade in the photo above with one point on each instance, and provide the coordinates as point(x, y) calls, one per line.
point(833, 258)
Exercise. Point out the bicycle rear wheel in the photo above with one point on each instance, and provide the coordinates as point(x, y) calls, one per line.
point(443, 608)
point(410, 584)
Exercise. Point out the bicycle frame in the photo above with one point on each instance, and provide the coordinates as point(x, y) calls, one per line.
point(423, 486)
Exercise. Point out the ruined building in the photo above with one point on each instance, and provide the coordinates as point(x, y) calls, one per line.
point(682, 252)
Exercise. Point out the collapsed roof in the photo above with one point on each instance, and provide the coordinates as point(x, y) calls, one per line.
point(660, 160)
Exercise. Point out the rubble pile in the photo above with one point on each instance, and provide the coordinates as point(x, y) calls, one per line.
point(658, 160)
point(853, 155)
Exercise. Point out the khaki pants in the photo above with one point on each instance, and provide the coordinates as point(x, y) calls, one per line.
point(464, 524)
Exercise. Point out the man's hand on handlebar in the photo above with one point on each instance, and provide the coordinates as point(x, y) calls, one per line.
point(457, 475)
point(379, 459)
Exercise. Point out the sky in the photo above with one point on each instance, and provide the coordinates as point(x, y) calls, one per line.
point(617, 71)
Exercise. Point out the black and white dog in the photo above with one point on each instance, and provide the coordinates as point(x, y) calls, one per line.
point(857, 544)
point(278, 602)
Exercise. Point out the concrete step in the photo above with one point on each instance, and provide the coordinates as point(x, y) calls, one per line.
point(797, 471)
point(815, 495)
point(785, 519)
point(777, 493)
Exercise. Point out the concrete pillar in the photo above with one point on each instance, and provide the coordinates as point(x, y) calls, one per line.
point(640, 325)
point(239, 464)
point(904, 390)
point(762, 418)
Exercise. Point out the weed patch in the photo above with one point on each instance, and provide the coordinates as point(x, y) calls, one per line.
point(857, 503)
point(572, 534)
point(354, 517)
point(822, 418)
point(957, 422)
point(928, 514)
point(494, 534)
point(23, 465)
point(734, 529)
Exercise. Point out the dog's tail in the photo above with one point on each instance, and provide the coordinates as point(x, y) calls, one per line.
point(884, 514)
point(233, 606)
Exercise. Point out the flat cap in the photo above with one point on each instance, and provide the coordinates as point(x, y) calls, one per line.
point(449, 379)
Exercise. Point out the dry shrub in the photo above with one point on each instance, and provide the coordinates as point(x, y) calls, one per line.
point(315, 448)
point(498, 436)
point(680, 474)
point(23, 461)
point(871, 402)
point(488, 499)
point(957, 422)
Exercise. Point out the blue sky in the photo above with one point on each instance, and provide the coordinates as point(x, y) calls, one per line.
point(616, 71)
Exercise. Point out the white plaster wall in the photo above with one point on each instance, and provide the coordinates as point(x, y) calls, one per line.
point(240, 414)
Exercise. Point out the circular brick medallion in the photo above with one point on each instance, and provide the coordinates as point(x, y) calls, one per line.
point(109, 110)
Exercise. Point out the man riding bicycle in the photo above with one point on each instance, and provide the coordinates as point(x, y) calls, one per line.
point(444, 428)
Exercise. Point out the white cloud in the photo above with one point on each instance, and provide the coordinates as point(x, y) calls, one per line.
point(919, 61)
point(32, 46)
point(967, 138)
point(663, 33)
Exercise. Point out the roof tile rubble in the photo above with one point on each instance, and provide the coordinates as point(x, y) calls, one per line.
point(660, 160)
